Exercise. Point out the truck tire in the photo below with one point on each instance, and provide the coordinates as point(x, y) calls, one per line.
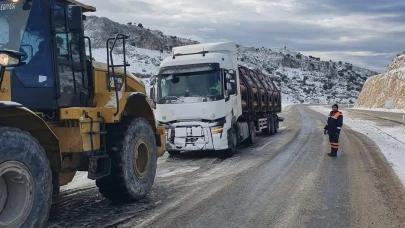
point(271, 125)
point(234, 143)
point(173, 152)
point(132, 149)
point(252, 134)
point(275, 123)
point(268, 129)
point(25, 180)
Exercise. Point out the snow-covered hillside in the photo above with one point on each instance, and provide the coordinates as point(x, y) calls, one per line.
point(302, 78)
point(307, 78)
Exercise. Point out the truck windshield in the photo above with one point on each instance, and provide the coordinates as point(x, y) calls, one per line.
point(206, 85)
point(24, 27)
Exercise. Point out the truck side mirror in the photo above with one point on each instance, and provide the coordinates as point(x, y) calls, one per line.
point(230, 87)
point(152, 93)
point(152, 81)
point(75, 18)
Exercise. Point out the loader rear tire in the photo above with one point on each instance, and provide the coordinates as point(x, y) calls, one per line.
point(25, 180)
point(132, 148)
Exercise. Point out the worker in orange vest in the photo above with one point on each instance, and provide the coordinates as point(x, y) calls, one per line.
point(333, 128)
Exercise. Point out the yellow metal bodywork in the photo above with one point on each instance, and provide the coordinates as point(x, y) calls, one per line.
point(5, 90)
point(85, 8)
point(70, 134)
point(77, 139)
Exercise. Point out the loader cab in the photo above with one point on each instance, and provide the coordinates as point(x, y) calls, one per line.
point(50, 34)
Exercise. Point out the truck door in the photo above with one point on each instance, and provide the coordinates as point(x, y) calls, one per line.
point(69, 59)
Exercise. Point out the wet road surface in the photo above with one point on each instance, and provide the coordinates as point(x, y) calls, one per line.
point(285, 180)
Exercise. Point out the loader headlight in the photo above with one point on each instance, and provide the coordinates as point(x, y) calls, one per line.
point(8, 60)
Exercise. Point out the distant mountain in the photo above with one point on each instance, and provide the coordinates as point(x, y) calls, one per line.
point(99, 29)
point(307, 78)
point(304, 78)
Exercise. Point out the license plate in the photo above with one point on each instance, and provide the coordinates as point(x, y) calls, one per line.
point(180, 142)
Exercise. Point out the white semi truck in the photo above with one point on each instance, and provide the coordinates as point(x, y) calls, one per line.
point(207, 102)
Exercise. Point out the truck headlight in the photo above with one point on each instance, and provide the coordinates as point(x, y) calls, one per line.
point(217, 130)
point(8, 60)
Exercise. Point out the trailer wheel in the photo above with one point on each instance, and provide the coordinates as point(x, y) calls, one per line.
point(271, 124)
point(267, 131)
point(132, 148)
point(25, 180)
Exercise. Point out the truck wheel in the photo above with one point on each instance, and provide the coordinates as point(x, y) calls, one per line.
point(275, 118)
point(132, 148)
point(25, 180)
point(268, 129)
point(271, 125)
point(231, 151)
point(252, 134)
point(173, 152)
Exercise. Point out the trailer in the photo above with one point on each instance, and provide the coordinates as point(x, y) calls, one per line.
point(206, 101)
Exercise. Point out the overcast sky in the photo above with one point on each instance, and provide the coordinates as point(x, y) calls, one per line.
point(367, 33)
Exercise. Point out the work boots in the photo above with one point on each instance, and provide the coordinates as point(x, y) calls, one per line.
point(333, 153)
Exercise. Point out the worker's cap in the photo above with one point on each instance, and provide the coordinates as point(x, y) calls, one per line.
point(335, 105)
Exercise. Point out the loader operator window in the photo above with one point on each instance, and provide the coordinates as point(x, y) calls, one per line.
point(5, 34)
point(26, 29)
point(68, 53)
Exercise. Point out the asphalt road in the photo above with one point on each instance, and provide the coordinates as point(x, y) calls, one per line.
point(285, 180)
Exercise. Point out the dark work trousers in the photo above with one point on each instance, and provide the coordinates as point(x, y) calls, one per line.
point(334, 142)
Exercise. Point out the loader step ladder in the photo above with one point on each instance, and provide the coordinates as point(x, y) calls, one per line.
point(99, 161)
point(111, 67)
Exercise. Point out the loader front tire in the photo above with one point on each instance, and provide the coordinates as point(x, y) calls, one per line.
point(132, 148)
point(25, 180)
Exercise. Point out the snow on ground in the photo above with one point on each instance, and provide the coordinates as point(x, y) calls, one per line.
point(79, 181)
point(381, 110)
point(175, 171)
point(390, 140)
point(287, 99)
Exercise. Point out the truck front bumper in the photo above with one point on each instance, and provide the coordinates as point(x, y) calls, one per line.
point(195, 138)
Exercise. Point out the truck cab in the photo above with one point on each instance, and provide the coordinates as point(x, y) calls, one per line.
point(197, 96)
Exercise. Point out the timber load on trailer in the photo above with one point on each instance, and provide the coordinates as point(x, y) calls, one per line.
point(258, 92)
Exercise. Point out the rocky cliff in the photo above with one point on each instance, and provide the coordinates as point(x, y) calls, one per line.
point(387, 86)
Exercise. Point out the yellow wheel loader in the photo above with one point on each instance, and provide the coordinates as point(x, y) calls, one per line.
point(61, 112)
